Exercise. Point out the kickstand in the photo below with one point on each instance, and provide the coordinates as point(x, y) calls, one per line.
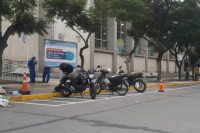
point(81, 94)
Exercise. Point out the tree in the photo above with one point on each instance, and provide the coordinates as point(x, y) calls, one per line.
point(20, 14)
point(158, 27)
point(78, 16)
point(194, 56)
point(185, 31)
point(136, 13)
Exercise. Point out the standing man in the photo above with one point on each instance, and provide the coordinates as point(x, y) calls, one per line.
point(46, 72)
point(31, 65)
point(187, 73)
point(196, 72)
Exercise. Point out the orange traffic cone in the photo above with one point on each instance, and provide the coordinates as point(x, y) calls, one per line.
point(161, 86)
point(24, 90)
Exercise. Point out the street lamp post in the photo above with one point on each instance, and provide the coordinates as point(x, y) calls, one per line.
point(0, 27)
point(146, 60)
point(24, 40)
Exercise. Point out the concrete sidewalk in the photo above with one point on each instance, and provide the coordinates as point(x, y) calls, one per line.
point(45, 90)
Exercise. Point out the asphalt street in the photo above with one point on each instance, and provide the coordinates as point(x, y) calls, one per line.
point(176, 110)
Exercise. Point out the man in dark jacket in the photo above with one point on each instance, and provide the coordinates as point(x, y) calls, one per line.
point(31, 65)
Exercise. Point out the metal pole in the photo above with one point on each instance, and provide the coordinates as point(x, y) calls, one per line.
point(0, 28)
point(147, 57)
point(27, 52)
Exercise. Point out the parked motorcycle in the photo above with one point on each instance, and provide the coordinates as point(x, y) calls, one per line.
point(134, 80)
point(117, 83)
point(70, 84)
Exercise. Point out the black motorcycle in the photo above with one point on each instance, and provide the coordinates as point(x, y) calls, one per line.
point(70, 84)
point(117, 83)
point(134, 80)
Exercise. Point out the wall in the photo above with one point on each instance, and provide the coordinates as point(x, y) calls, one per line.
point(103, 59)
point(164, 65)
point(139, 63)
point(17, 49)
point(120, 61)
point(171, 66)
point(152, 64)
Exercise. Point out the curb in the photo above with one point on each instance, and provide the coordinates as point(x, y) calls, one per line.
point(49, 95)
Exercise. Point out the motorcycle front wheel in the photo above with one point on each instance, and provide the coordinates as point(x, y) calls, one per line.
point(140, 86)
point(65, 93)
point(93, 91)
point(122, 89)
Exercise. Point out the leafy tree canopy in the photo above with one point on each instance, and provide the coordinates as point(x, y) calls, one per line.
point(76, 13)
point(21, 14)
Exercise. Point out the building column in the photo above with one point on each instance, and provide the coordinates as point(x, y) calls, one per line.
point(92, 47)
point(40, 47)
point(112, 41)
point(144, 51)
point(146, 60)
point(175, 67)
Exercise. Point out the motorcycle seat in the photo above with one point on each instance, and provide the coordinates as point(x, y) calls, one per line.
point(115, 77)
point(74, 78)
point(136, 75)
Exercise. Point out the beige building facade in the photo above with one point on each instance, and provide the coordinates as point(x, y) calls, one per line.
point(103, 48)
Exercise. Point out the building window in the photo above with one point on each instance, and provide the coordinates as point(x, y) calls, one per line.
point(101, 36)
point(137, 51)
point(150, 51)
point(121, 36)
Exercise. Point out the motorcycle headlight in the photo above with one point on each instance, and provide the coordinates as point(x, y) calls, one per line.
point(94, 81)
point(91, 76)
point(109, 70)
point(125, 78)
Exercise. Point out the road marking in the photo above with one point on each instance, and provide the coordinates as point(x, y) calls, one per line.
point(70, 98)
point(109, 98)
point(51, 101)
point(128, 95)
point(42, 104)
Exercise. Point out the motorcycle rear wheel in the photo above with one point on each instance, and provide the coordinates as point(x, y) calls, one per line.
point(65, 93)
point(122, 89)
point(140, 86)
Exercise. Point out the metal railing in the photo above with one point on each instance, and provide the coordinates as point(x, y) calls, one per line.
point(8, 71)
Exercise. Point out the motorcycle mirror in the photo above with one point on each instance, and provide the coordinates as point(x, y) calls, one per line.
point(122, 71)
point(78, 66)
point(98, 66)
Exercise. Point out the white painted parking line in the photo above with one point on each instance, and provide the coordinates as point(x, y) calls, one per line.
point(107, 98)
point(102, 97)
point(128, 95)
point(51, 101)
point(69, 98)
point(27, 103)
